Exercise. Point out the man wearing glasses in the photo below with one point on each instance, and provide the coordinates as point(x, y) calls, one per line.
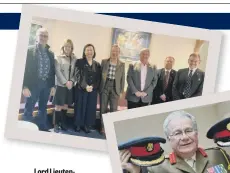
point(181, 131)
point(39, 78)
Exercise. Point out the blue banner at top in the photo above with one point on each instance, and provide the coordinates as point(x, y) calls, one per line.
point(10, 21)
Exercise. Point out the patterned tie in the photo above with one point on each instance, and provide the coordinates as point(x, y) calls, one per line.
point(188, 85)
point(166, 77)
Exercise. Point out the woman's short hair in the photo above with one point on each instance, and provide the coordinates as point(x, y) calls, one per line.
point(88, 45)
point(67, 41)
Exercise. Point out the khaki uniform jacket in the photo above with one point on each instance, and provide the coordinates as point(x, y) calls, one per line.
point(215, 156)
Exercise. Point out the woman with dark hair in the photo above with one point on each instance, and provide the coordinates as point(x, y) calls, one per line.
point(88, 77)
point(65, 79)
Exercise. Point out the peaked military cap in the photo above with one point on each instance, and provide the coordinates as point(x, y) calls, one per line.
point(145, 151)
point(220, 133)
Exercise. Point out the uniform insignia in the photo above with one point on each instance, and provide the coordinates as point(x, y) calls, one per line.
point(172, 158)
point(145, 152)
point(228, 126)
point(149, 147)
point(202, 152)
point(217, 169)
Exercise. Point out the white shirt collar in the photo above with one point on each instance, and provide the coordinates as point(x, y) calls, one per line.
point(168, 70)
point(142, 65)
point(193, 70)
point(193, 158)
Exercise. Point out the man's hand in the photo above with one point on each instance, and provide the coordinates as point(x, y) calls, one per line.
point(69, 84)
point(124, 157)
point(163, 97)
point(26, 92)
point(138, 94)
point(52, 91)
point(143, 94)
point(89, 88)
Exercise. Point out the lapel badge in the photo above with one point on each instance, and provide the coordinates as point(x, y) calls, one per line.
point(149, 147)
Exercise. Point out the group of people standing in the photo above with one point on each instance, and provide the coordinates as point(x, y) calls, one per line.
point(80, 80)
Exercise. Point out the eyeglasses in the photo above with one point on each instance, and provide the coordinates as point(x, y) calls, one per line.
point(179, 134)
point(41, 35)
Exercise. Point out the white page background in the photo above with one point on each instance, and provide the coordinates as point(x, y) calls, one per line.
point(23, 157)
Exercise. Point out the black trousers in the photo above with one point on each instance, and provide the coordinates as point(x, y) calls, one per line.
point(85, 108)
point(132, 105)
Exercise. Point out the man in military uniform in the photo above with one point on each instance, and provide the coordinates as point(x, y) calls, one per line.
point(187, 157)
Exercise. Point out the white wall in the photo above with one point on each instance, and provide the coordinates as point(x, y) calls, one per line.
point(223, 110)
point(153, 125)
point(161, 46)
point(204, 55)
point(180, 48)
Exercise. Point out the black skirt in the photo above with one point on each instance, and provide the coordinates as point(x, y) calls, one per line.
point(63, 96)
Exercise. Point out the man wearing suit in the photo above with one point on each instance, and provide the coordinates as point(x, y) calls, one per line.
point(39, 78)
point(163, 91)
point(141, 79)
point(112, 83)
point(189, 81)
point(181, 131)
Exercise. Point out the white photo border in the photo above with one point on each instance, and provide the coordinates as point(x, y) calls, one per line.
point(153, 110)
point(30, 11)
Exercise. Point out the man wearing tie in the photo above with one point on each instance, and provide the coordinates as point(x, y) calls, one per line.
point(141, 79)
point(189, 81)
point(163, 91)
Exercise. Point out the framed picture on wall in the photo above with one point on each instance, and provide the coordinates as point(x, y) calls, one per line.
point(130, 43)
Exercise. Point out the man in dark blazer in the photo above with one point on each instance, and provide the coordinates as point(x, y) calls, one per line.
point(39, 80)
point(141, 79)
point(189, 81)
point(163, 91)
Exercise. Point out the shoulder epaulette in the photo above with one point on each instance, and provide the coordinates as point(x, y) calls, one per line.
point(172, 158)
point(202, 151)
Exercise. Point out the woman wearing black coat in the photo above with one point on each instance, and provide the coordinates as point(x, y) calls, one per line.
point(88, 77)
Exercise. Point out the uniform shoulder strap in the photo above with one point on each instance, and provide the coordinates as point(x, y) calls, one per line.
point(202, 151)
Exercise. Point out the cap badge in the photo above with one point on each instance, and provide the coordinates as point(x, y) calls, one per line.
point(228, 126)
point(149, 147)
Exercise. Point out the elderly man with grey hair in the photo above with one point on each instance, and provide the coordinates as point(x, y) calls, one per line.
point(39, 79)
point(181, 131)
point(141, 79)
